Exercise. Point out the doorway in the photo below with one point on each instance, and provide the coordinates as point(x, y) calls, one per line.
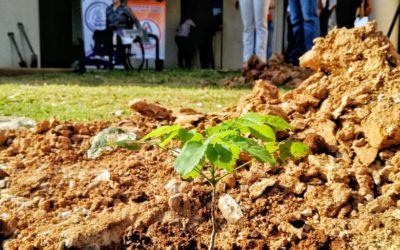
point(60, 26)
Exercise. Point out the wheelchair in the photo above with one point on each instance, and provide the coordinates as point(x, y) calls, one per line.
point(123, 47)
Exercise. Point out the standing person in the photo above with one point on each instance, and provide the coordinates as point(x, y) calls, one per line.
point(270, 28)
point(185, 42)
point(346, 11)
point(119, 16)
point(204, 32)
point(305, 25)
point(254, 22)
point(324, 14)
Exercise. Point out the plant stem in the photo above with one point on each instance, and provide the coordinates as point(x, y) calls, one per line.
point(213, 219)
point(202, 174)
point(237, 168)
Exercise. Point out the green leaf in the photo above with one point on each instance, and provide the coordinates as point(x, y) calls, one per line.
point(244, 123)
point(254, 117)
point(194, 173)
point(220, 127)
point(274, 121)
point(284, 149)
point(223, 156)
point(192, 135)
point(211, 153)
point(211, 130)
point(158, 132)
point(263, 132)
point(292, 149)
point(252, 148)
point(278, 123)
point(128, 144)
point(167, 138)
point(299, 149)
point(190, 156)
point(271, 147)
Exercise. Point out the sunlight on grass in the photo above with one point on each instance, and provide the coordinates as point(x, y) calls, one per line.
point(97, 96)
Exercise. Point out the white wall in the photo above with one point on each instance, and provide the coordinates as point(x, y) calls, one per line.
point(232, 37)
point(383, 11)
point(11, 12)
point(172, 22)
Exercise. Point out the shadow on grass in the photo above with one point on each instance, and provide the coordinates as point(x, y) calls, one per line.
point(174, 78)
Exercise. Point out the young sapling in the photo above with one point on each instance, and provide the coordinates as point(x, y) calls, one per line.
point(219, 147)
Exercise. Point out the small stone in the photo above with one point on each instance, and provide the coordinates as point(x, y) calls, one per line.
point(396, 214)
point(179, 203)
point(45, 205)
point(172, 186)
point(298, 232)
point(42, 126)
point(220, 188)
point(5, 230)
point(363, 226)
point(3, 174)
point(39, 214)
point(3, 184)
point(257, 189)
point(3, 138)
point(64, 215)
point(185, 187)
point(230, 209)
point(380, 204)
point(230, 181)
point(300, 188)
point(343, 234)
point(307, 212)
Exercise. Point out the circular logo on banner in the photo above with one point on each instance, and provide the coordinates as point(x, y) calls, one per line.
point(95, 16)
point(152, 28)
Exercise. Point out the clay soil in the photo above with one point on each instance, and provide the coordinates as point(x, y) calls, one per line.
point(344, 195)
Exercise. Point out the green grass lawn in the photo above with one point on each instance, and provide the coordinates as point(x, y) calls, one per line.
point(97, 95)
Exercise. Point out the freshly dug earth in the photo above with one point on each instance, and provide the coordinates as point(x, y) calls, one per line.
point(276, 71)
point(345, 195)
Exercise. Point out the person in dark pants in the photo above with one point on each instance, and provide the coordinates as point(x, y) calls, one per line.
point(203, 18)
point(185, 42)
point(324, 17)
point(119, 16)
point(305, 23)
point(346, 12)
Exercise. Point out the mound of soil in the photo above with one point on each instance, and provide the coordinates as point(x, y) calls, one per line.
point(345, 195)
point(276, 71)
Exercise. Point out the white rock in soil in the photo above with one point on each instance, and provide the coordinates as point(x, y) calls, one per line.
point(104, 176)
point(3, 184)
point(64, 215)
point(257, 189)
point(396, 214)
point(230, 209)
point(172, 186)
point(307, 212)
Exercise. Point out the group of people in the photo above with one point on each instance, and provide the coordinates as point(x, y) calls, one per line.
point(307, 20)
point(200, 20)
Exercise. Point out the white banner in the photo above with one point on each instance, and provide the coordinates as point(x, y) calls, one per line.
point(93, 18)
point(152, 18)
point(150, 14)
